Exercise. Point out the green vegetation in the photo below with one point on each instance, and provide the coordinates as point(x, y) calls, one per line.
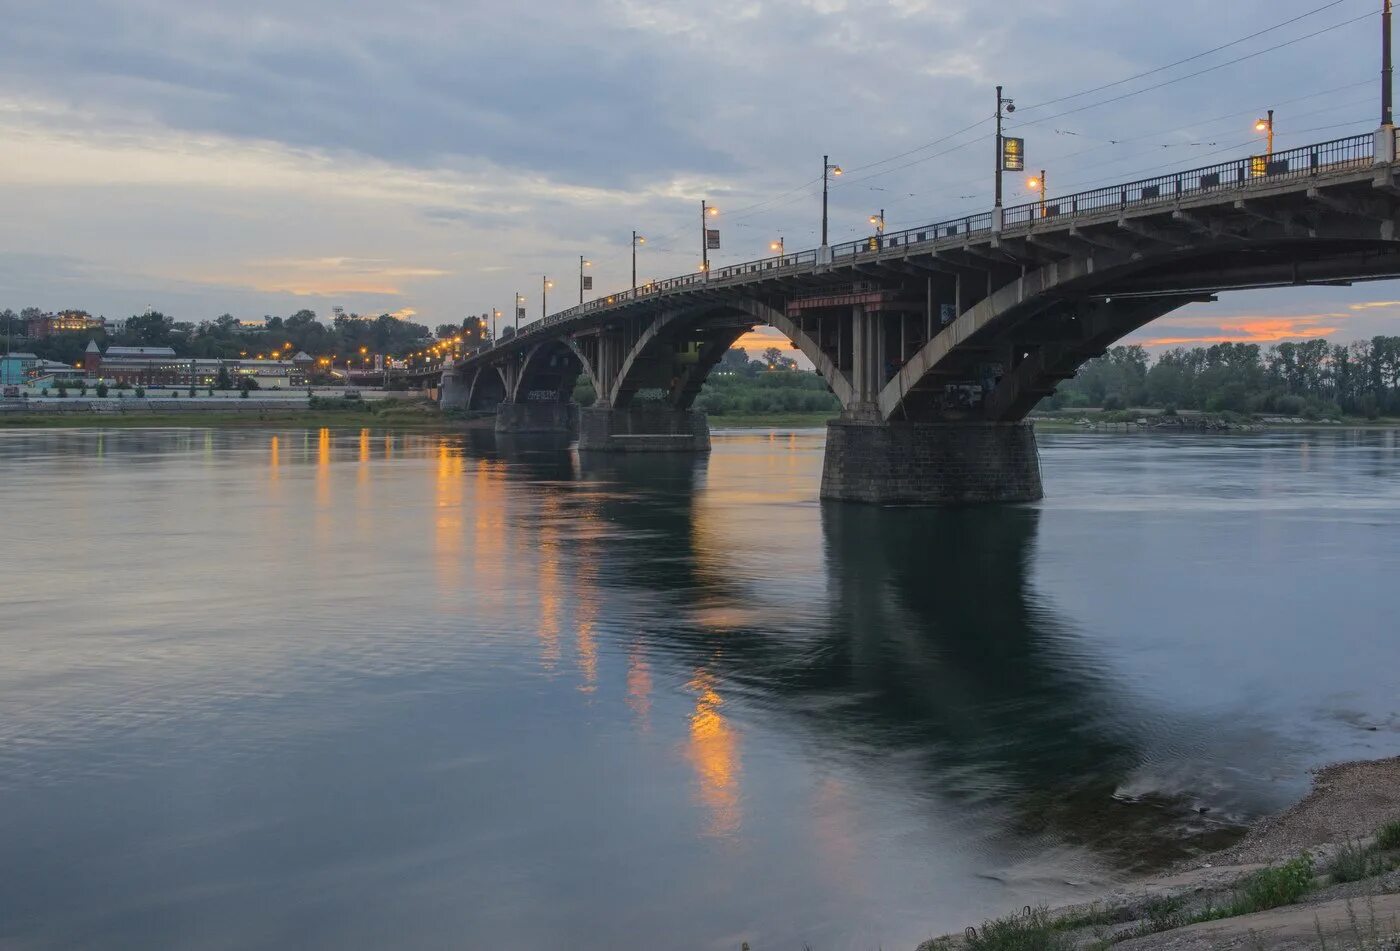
point(1388, 836)
point(1313, 379)
point(1354, 862)
point(1032, 930)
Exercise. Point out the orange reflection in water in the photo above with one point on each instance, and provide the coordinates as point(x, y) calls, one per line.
point(713, 750)
point(447, 516)
point(550, 587)
point(274, 459)
point(639, 686)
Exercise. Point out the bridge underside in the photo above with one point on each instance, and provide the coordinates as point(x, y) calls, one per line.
point(936, 354)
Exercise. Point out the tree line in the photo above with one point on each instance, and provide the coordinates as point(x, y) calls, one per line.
point(1311, 378)
point(227, 337)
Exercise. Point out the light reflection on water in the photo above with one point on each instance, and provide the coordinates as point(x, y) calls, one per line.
point(350, 689)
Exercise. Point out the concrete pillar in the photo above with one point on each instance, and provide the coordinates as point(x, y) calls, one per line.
point(536, 416)
point(642, 428)
point(930, 463)
point(454, 390)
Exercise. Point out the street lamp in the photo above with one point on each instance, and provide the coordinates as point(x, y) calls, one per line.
point(582, 263)
point(777, 246)
point(1266, 125)
point(545, 285)
point(879, 222)
point(494, 314)
point(1386, 118)
point(706, 211)
point(827, 168)
point(1037, 183)
point(518, 309)
point(636, 240)
point(1010, 107)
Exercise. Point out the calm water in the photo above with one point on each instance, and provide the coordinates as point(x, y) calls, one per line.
point(356, 691)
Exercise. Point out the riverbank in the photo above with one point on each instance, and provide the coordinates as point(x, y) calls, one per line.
point(318, 412)
point(1323, 874)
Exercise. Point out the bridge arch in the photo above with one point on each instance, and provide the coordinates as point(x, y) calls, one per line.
point(486, 387)
point(551, 366)
point(1040, 327)
point(707, 332)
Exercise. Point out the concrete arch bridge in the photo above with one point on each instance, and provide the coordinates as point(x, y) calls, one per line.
point(939, 340)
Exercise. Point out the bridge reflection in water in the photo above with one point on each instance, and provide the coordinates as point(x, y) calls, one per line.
point(924, 653)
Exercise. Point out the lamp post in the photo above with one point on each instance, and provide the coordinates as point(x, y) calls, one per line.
point(582, 263)
point(1010, 107)
point(518, 301)
point(706, 211)
point(545, 285)
point(1387, 119)
point(636, 240)
point(879, 222)
point(827, 169)
point(495, 312)
point(1037, 183)
point(777, 246)
point(1266, 125)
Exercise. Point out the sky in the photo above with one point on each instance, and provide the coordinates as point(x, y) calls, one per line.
point(432, 159)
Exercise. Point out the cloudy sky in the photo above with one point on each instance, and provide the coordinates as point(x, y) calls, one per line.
point(432, 158)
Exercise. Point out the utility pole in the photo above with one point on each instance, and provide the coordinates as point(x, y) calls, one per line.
point(1387, 118)
point(582, 263)
point(827, 168)
point(636, 240)
point(518, 299)
point(545, 285)
point(704, 240)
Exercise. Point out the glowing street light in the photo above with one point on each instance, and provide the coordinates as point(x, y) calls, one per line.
point(1266, 125)
point(1037, 183)
point(777, 246)
point(706, 211)
point(827, 168)
point(545, 285)
point(582, 263)
point(879, 222)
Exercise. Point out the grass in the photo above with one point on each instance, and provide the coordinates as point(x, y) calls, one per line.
point(1354, 862)
point(1032, 930)
point(1388, 836)
point(1267, 888)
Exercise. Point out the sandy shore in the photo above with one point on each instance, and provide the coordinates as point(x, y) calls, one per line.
point(1348, 803)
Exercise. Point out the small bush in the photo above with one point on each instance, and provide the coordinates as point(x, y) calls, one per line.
point(1272, 887)
point(243, 393)
point(140, 392)
point(62, 393)
point(1388, 836)
point(101, 390)
point(1032, 930)
point(1353, 862)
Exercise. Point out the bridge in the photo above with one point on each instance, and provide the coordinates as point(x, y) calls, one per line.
point(938, 340)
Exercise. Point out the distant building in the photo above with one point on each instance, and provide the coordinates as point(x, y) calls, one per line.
point(161, 366)
point(15, 368)
point(68, 321)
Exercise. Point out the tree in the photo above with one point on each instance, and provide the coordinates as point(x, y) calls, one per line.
point(152, 329)
point(222, 379)
point(776, 360)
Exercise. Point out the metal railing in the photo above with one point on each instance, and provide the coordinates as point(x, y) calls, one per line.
point(1303, 162)
point(1306, 161)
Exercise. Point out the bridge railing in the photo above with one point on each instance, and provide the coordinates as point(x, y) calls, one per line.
point(1351, 152)
point(1303, 162)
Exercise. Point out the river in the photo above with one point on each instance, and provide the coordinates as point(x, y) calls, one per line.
point(354, 690)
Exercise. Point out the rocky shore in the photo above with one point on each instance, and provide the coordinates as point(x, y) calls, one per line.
point(1323, 874)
